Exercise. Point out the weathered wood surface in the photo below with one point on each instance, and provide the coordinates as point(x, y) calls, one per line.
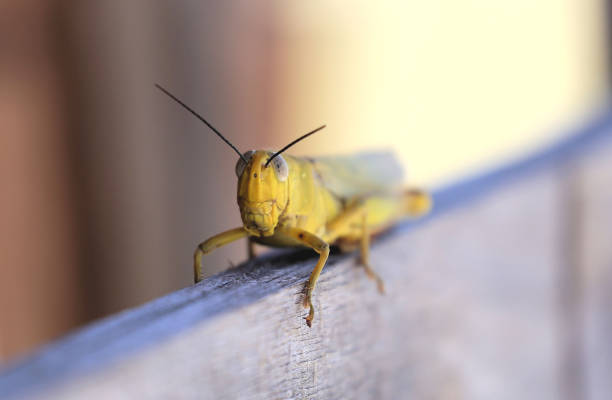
point(503, 293)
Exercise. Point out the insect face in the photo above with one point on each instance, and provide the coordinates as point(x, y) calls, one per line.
point(262, 180)
point(262, 191)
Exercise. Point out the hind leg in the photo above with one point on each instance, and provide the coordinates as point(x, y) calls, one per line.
point(417, 202)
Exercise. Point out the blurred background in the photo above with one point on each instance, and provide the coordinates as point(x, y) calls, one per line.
point(107, 186)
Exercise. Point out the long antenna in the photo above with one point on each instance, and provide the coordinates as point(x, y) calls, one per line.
point(198, 116)
point(294, 142)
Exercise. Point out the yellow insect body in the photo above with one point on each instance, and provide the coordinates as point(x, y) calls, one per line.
point(294, 201)
point(299, 201)
point(317, 202)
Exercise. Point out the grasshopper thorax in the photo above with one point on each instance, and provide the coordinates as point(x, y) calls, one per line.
point(262, 191)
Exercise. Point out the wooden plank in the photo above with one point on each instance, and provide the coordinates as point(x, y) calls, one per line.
point(594, 257)
point(473, 310)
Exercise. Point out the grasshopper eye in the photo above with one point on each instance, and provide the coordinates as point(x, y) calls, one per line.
point(281, 167)
point(241, 165)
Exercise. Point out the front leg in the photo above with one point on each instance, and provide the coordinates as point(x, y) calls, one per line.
point(212, 243)
point(320, 246)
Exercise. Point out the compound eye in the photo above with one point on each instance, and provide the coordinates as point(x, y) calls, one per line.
point(241, 165)
point(281, 167)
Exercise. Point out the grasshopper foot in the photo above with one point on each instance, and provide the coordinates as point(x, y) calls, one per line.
point(310, 316)
point(374, 276)
point(307, 303)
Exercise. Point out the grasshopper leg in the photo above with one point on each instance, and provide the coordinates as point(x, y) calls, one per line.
point(251, 249)
point(320, 246)
point(354, 223)
point(212, 243)
point(364, 257)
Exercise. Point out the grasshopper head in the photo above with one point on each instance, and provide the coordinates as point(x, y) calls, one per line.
point(262, 181)
point(262, 191)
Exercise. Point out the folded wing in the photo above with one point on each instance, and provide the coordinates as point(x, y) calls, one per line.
point(359, 174)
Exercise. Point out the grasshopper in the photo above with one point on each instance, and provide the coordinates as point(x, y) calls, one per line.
point(314, 202)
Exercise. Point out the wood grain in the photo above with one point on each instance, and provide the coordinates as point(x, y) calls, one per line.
point(502, 293)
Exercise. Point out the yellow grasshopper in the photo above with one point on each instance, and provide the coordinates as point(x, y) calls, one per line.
point(314, 202)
